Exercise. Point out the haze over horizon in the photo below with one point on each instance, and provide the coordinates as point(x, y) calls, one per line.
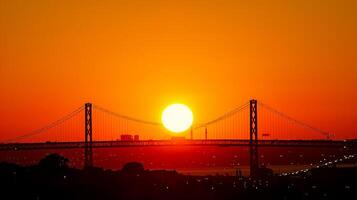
point(136, 57)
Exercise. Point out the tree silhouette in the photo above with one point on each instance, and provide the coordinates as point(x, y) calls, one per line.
point(54, 161)
point(133, 168)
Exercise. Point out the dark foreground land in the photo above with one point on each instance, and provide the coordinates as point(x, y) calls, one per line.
point(53, 179)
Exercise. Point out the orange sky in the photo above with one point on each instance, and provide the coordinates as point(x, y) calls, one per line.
point(137, 56)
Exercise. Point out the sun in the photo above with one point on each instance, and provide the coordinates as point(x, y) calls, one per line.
point(177, 117)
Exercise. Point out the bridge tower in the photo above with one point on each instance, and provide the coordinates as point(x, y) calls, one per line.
point(253, 139)
point(206, 133)
point(88, 150)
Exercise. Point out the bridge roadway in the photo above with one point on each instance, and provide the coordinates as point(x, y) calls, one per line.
point(216, 142)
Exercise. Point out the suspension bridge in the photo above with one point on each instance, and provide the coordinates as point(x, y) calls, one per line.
point(239, 127)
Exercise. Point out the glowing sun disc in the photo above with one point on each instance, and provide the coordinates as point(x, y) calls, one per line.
point(177, 118)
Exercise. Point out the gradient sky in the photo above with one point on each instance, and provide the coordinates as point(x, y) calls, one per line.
point(137, 56)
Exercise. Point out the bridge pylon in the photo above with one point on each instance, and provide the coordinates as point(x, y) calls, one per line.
point(206, 137)
point(88, 149)
point(253, 139)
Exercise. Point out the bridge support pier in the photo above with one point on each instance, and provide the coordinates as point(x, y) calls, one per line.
point(253, 139)
point(88, 149)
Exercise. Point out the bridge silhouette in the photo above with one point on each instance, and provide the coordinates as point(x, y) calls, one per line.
point(239, 127)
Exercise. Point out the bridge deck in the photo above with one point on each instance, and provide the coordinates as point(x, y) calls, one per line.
point(143, 143)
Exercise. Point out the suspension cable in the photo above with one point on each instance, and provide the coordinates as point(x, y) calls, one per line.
point(47, 127)
point(126, 117)
point(325, 133)
point(224, 116)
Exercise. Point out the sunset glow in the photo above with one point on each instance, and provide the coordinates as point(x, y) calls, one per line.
point(178, 99)
point(135, 56)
